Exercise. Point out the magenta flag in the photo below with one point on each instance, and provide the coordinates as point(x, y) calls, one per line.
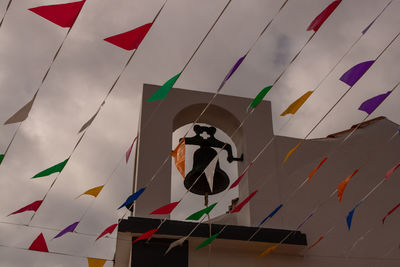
point(390, 212)
point(68, 229)
point(166, 209)
point(128, 153)
point(351, 76)
point(371, 104)
point(237, 181)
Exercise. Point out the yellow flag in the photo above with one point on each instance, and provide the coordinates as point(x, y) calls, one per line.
point(93, 262)
point(292, 109)
point(268, 250)
point(179, 156)
point(291, 152)
point(94, 191)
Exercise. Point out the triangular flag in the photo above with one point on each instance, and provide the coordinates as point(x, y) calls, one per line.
point(1, 158)
point(342, 186)
point(257, 100)
point(208, 241)
point(146, 235)
point(131, 39)
point(268, 250)
point(95, 191)
point(93, 262)
point(63, 15)
point(292, 109)
point(22, 113)
point(271, 214)
point(391, 171)
point(349, 217)
point(128, 152)
point(390, 212)
point(163, 91)
point(231, 72)
point(305, 220)
point(371, 104)
point(291, 152)
point(244, 202)
point(237, 181)
point(108, 230)
point(320, 19)
point(351, 76)
point(33, 206)
point(176, 243)
point(166, 209)
point(56, 168)
point(133, 197)
point(39, 244)
point(315, 243)
point(209, 171)
point(369, 26)
point(68, 229)
point(316, 169)
point(197, 215)
point(87, 124)
point(179, 155)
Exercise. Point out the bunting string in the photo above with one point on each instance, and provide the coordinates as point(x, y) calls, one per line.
point(5, 12)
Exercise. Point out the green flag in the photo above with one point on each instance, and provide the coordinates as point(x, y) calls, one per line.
point(197, 215)
point(1, 158)
point(56, 168)
point(259, 97)
point(163, 91)
point(208, 241)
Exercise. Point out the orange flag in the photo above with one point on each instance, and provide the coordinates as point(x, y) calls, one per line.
point(93, 192)
point(291, 152)
point(316, 169)
point(93, 262)
point(342, 186)
point(179, 156)
point(268, 250)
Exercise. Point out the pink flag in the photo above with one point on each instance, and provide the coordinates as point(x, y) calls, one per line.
point(33, 206)
point(108, 230)
point(39, 244)
point(391, 171)
point(166, 209)
point(128, 153)
point(244, 202)
point(130, 40)
point(63, 15)
point(146, 235)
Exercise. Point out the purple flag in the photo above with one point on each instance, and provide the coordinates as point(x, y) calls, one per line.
point(306, 219)
point(68, 229)
point(371, 104)
point(369, 26)
point(351, 76)
point(232, 71)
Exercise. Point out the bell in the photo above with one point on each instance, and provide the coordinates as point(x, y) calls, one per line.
point(196, 180)
point(201, 158)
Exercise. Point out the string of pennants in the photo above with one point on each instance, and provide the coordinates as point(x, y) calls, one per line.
point(65, 15)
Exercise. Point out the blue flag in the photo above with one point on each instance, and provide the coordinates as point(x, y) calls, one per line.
point(133, 197)
point(271, 214)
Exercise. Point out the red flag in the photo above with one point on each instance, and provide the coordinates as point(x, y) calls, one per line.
point(244, 202)
point(166, 209)
point(63, 15)
point(33, 206)
point(390, 212)
point(320, 19)
point(237, 181)
point(315, 243)
point(108, 230)
point(392, 170)
point(39, 244)
point(130, 40)
point(146, 235)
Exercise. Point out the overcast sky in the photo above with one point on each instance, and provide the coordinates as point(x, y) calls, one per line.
point(87, 66)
